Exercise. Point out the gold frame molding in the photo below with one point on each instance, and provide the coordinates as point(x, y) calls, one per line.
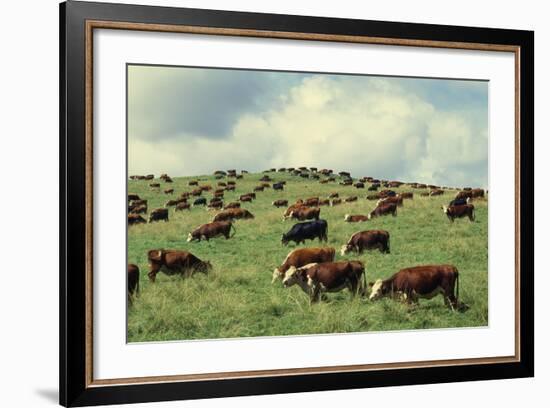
point(116, 25)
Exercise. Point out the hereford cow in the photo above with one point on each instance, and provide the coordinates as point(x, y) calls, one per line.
point(280, 203)
point(373, 239)
point(306, 230)
point(420, 282)
point(336, 201)
point(233, 214)
point(140, 209)
point(154, 186)
point(133, 281)
point(384, 209)
point(397, 200)
point(459, 201)
point(245, 198)
point(333, 195)
point(303, 256)
point(324, 202)
point(436, 192)
point(350, 199)
point(292, 208)
point(459, 211)
point(159, 214)
point(212, 230)
point(407, 195)
point(172, 262)
point(233, 204)
point(316, 278)
point(196, 192)
point(216, 205)
point(193, 183)
point(312, 202)
point(478, 193)
point(133, 197)
point(230, 188)
point(355, 218)
point(372, 196)
point(182, 206)
point(305, 213)
point(134, 219)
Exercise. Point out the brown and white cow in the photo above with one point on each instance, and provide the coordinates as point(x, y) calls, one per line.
point(134, 219)
point(183, 206)
point(280, 203)
point(350, 199)
point(303, 256)
point(384, 209)
point(312, 202)
point(133, 281)
point(305, 213)
point(459, 211)
point(159, 214)
point(292, 208)
point(355, 218)
point(169, 191)
point(372, 239)
point(436, 192)
point(398, 200)
point(425, 281)
point(172, 262)
point(233, 214)
point(234, 204)
point(336, 201)
point(212, 230)
point(316, 278)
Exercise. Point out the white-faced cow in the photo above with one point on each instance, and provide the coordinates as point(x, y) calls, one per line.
point(372, 239)
point(459, 211)
point(212, 230)
point(417, 282)
point(172, 262)
point(384, 209)
point(355, 218)
point(303, 256)
point(317, 278)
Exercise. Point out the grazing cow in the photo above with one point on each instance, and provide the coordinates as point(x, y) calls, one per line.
point(478, 193)
point(281, 170)
point(373, 187)
point(134, 219)
point(216, 205)
point(167, 179)
point(355, 218)
point(221, 184)
point(245, 198)
point(293, 207)
point(219, 191)
point(436, 192)
point(350, 199)
point(359, 185)
point(258, 188)
point(172, 262)
point(305, 213)
point(398, 200)
point(303, 256)
point(333, 195)
point(420, 282)
point(215, 200)
point(278, 186)
point(459, 201)
point(372, 239)
point(196, 192)
point(185, 194)
point(266, 178)
point(154, 186)
point(387, 193)
point(312, 202)
point(407, 195)
point(316, 278)
point(336, 201)
point(149, 177)
point(324, 202)
point(459, 211)
point(206, 187)
point(137, 203)
point(323, 181)
point(133, 197)
point(384, 209)
point(233, 214)
point(230, 188)
point(346, 182)
point(169, 191)
point(233, 204)
point(139, 209)
point(306, 230)
point(280, 203)
point(182, 206)
point(171, 203)
point(231, 183)
point(464, 194)
point(373, 197)
point(193, 183)
point(199, 201)
point(159, 214)
point(344, 174)
point(133, 281)
point(212, 230)
point(218, 194)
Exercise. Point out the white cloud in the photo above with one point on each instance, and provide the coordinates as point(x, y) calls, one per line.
point(369, 126)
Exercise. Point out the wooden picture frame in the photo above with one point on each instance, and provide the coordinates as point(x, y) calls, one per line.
point(78, 20)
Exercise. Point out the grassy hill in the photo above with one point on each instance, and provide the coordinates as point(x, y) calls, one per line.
point(237, 298)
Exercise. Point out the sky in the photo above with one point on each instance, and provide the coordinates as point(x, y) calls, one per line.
point(192, 121)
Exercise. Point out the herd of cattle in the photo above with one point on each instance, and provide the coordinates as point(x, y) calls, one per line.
point(315, 270)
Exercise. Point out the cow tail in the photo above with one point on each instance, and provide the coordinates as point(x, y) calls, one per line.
point(457, 286)
point(234, 230)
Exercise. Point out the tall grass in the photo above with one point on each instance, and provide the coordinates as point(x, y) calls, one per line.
point(237, 298)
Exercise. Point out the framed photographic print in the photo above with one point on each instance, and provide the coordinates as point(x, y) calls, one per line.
point(256, 203)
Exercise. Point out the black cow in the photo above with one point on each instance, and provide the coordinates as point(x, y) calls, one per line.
point(306, 230)
point(200, 201)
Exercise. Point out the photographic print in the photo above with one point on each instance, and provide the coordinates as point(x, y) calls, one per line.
point(274, 203)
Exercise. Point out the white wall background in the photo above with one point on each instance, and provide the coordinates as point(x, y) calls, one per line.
point(29, 201)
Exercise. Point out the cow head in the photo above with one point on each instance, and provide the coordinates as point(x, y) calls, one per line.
point(370, 215)
point(444, 208)
point(291, 277)
point(277, 274)
point(347, 217)
point(378, 289)
point(204, 267)
point(155, 255)
point(284, 240)
point(345, 249)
